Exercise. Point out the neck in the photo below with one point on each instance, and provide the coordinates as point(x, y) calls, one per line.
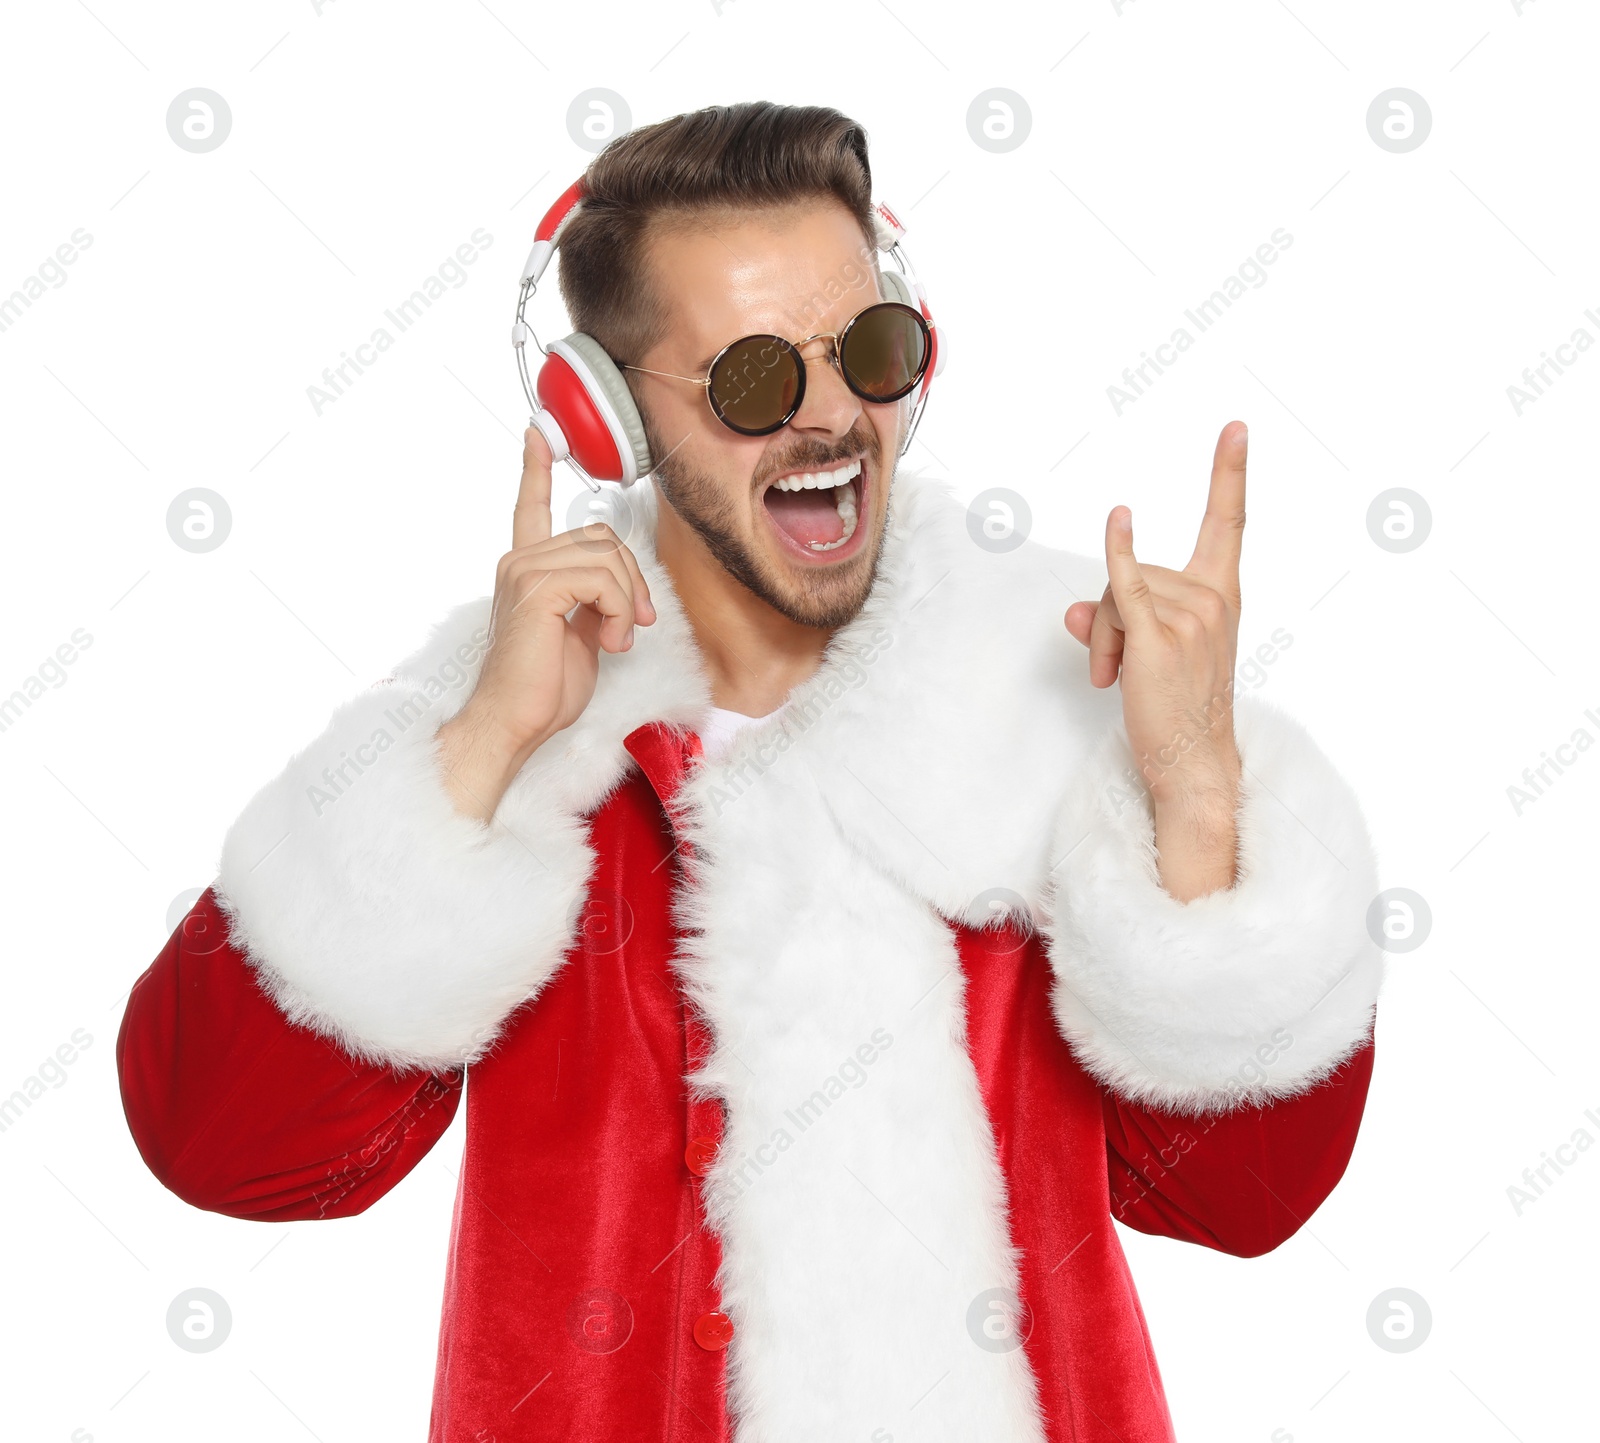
point(754, 656)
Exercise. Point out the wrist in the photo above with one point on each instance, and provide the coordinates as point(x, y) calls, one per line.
point(480, 759)
point(1197, 842)
point(1195, 812)
point(1201, 785)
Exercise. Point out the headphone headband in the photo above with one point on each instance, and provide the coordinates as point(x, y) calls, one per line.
point(548, 235)
point(888, 232)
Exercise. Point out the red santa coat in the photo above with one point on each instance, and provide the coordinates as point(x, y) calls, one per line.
point(805, 1085)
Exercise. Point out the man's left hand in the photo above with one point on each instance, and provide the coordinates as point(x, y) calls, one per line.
point(1172, 636)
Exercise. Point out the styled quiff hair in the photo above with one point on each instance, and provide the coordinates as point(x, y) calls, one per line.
point(696, 168)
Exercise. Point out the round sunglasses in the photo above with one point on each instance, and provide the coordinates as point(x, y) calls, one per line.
point(756, 384)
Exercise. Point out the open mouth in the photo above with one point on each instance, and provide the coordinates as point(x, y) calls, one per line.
point(817, 513)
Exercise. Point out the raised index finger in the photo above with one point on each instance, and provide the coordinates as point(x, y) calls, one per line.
point(1216, 553)
point(530, 520)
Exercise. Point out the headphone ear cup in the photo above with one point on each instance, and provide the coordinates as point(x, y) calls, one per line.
point(581, 387)
point(897, 288)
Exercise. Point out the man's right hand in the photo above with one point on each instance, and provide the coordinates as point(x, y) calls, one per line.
point(540, 669)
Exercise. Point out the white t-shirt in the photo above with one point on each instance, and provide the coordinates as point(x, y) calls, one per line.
point(721, 726)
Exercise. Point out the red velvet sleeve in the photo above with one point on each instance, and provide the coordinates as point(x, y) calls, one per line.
point(1241, 1182)
point(239, 1111)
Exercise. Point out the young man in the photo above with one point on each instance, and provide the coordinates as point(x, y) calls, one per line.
point(833, 948)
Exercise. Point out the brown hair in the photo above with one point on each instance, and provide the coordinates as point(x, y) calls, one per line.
point(702, 165)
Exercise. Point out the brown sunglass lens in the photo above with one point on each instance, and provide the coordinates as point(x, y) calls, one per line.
point(755, 383)
point(884, 352)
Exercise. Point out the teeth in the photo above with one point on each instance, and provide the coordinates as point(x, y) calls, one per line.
point(846, 502)
point(819, 480)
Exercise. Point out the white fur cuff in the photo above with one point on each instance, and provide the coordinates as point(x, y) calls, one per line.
point(1241, 996)
point(376, 913)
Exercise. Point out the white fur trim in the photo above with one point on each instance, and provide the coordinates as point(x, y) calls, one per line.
point(1247, 994)
point(360, 898)
point(856, 1192)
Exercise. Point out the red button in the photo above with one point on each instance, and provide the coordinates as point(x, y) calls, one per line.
point(713, 1331)
point(700, 1154)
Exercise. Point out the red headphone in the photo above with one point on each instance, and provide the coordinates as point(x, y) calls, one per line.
point(580, 400)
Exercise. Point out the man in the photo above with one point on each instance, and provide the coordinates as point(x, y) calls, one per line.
point(833, 950)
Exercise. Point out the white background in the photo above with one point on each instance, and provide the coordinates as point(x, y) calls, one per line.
point(1167, 142)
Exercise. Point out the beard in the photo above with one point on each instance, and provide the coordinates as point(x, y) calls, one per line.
point(826, 598)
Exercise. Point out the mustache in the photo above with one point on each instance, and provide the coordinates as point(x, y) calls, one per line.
point(821, 458)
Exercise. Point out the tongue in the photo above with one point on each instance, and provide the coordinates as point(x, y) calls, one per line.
point(806, 516)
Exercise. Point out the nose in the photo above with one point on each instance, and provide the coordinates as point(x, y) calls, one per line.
point(830, 407)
